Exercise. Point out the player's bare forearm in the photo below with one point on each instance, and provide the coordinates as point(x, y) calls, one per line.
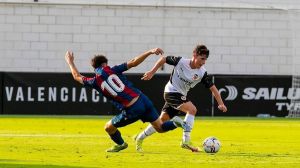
point(148, 75)
point(218, 97)
point(75, 73)
point(158, 64)
point(139, 59)
point(69, 57)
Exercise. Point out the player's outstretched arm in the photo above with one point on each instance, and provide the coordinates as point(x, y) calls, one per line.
point(139, 59)
point(218, 97)
point(148, 75)
point(69, 57)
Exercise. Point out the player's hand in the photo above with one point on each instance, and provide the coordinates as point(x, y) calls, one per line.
point(222, 107)
point(69, 57)
point(148, 75)
point(157, 51)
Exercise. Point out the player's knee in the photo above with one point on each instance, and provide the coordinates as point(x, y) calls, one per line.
point(157, 125)
point(164, 117)
point(193, 111)
point(108, 127)
point(159, 130)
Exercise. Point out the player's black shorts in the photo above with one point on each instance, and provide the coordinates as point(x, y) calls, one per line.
point(172, 102)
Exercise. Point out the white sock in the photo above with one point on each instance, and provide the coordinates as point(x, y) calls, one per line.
point(189, 119)
point(147, 132)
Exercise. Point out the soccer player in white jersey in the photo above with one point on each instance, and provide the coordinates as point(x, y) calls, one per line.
point(186, 74)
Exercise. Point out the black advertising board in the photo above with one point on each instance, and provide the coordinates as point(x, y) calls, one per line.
point(1, 95)
point(58, 93)
point(249, 95)
point(50, 93)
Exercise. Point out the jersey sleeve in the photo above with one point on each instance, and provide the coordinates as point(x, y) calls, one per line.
point(88, 81)
point(206, 81)
point(120, 68)
point(172, 60)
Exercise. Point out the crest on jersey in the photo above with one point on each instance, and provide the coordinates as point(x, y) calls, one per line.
point(183, 98)
point(195, 77)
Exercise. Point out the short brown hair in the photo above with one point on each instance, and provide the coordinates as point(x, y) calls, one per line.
point(201, 50)
point(98, 60)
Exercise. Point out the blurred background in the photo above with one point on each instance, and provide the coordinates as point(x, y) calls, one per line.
point(254, 52)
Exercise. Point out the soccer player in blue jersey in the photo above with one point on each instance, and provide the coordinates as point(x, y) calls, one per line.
point(133, 104)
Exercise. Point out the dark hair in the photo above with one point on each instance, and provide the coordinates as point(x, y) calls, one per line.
point(98, 60)
point(201, 50)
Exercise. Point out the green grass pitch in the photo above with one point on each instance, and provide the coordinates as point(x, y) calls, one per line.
point(80, 141)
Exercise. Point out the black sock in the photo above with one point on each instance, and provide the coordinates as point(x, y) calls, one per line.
point(117, 138)
point(168, 125)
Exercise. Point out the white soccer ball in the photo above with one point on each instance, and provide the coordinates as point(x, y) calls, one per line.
point(211, 145)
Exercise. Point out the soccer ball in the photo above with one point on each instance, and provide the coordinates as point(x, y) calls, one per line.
point(211, 145)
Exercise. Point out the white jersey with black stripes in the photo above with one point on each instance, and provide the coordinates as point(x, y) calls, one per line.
point(183, 77)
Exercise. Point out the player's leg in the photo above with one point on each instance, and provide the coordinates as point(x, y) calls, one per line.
point(148, 131)
point(115, 135)
point(157, 125)
point(190, 111)
point(166, 126)
point(167, 113)
point(120, 120)
point(151, 116)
